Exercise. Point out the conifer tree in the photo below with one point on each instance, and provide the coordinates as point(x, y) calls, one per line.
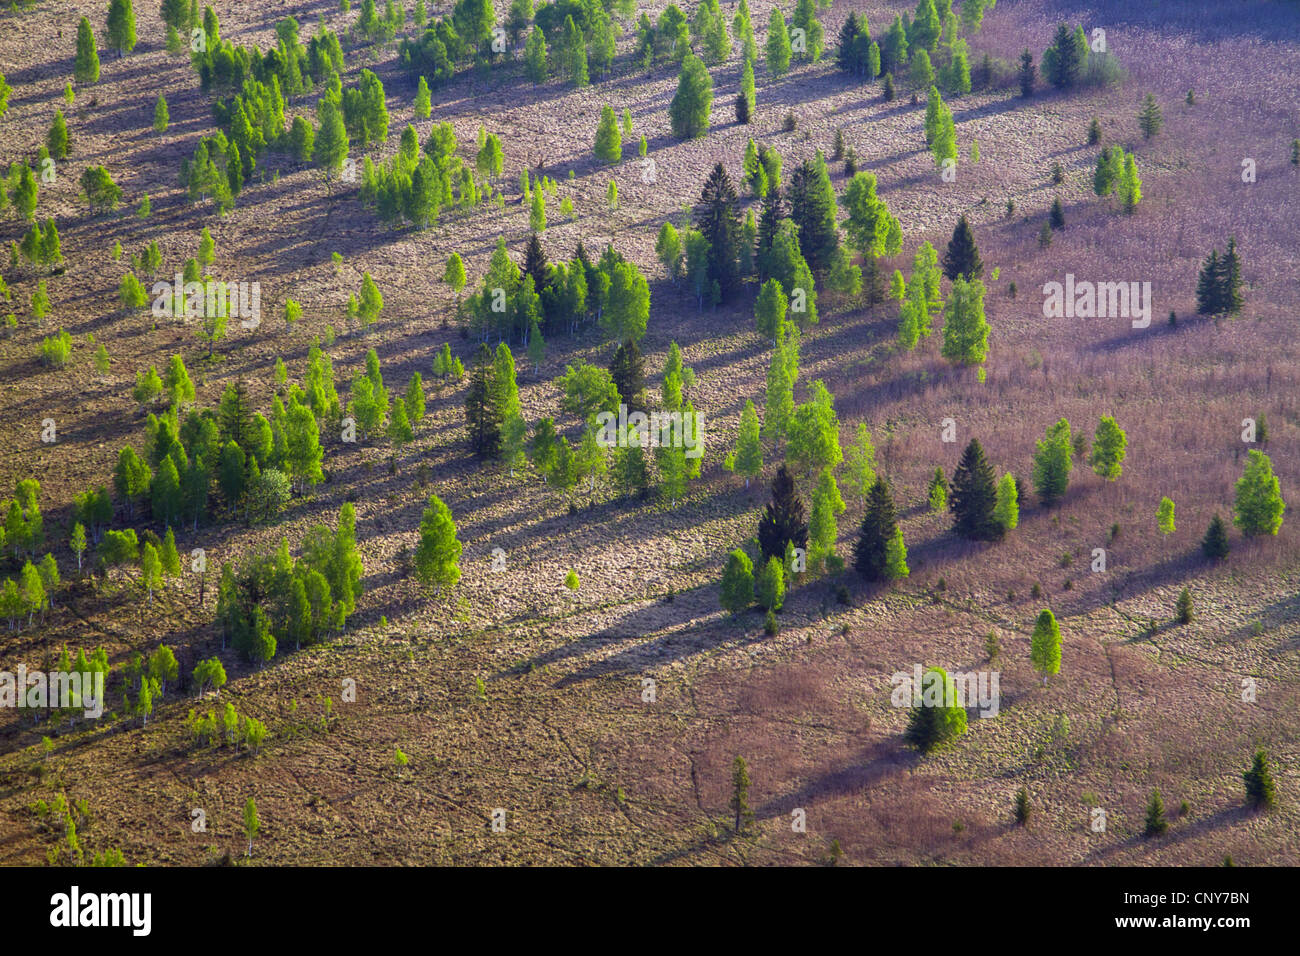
point(879, 526)
point(1109, 447)
point(1156, 824)
point(1045, 645)
point(718, 221)
point(1027, 75)
point(1063, 61)
point(973, 500)
point(1261, 793)
point(482, 415)
point(627, 369)
point(783, 520)
point(1053, 463)
point(1149, 119)
point(742, 815)
point(962, 258)
point(1228, 276)
point(813, 209)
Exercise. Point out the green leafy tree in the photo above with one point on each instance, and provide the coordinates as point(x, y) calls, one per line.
point(57, 138)
point(1259, 505)
point(777, 51)
point(251, 824)
point(814, 433)
point(872, 230)
point(860, 462)
point(437, 557)
point(770, 585)
point(737, 590)
point(1165, 516)
point(331, 146)
point(179, 386)
point(535, 55)
point(805, 19)
point(575, 53)
point(609, 140)
point(86, 67)
point(1045, 645)
point(748, 458)
point(1007, 509)
point(965, 330)
point(937, 717)
point(121, 26)
point(689, 110)
point(77, 542)
point(1109, 446)
point(1130, 185)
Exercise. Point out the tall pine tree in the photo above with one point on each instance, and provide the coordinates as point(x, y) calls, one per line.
point(782, 522)
point(973, 499)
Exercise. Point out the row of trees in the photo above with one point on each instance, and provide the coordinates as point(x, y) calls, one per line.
point(521, 302)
